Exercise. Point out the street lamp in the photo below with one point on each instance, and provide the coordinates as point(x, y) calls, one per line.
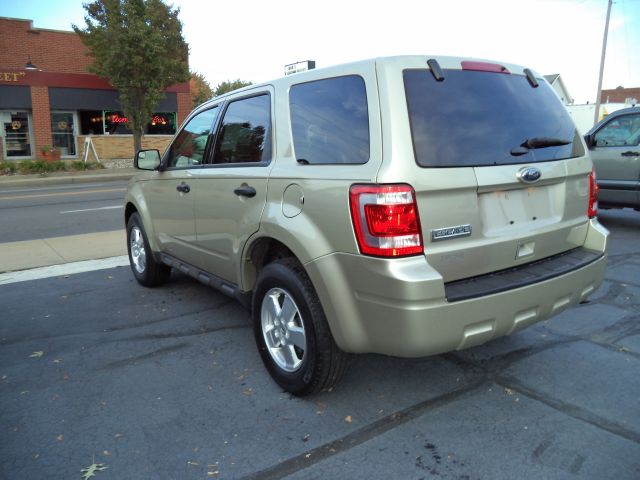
point(29, 65)
point(604, 50)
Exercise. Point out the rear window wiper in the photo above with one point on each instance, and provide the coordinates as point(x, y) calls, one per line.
point(538, 142)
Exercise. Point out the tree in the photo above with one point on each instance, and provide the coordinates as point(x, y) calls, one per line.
point(200, 89)
point(138, 46)
point(229, 86)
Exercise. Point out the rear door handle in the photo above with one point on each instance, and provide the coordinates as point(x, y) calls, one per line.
point(183, 188)
point(245, 191)
point(630, 154)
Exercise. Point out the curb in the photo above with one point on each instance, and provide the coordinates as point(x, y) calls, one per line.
point(65, 179)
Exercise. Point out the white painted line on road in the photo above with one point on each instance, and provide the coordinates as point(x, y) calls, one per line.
point(62, 194)
point(63, 270)
point(93, 209)
point(70, 186)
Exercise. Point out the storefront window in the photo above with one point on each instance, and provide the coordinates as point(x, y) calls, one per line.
point(115, 123)
point(162, 123)
point(94, 122)
point(17, 137)
point(91, 122)
point(62, 133)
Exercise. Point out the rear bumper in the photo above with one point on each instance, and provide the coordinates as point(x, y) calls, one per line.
point(399, 307)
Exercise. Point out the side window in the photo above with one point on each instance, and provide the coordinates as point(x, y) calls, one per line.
point(188, 148)
point(622, 131)
point(245, 132)
point(330, 121)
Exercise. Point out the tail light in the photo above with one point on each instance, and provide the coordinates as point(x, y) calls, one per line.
point(386, 221)
point(592, 210)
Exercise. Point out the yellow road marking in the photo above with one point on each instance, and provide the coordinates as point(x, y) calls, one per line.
point(63, 194)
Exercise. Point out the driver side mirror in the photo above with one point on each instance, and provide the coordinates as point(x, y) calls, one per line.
point(590, 141)
point(147, 160)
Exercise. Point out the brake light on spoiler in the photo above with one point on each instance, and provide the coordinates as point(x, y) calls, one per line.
point(484, 67)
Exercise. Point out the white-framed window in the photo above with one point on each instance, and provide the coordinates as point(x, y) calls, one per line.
point(17, 134)
point(64, 133)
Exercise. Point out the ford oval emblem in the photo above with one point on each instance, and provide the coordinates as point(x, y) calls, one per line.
point(529, 175)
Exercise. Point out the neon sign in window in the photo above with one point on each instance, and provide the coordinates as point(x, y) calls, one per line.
point(161, 123)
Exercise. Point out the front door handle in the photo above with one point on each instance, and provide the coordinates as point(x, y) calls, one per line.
point(630, 154)
point(245, 191)
point(183, 188)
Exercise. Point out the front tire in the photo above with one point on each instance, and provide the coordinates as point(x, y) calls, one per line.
point(291, 331)
point(147, 271)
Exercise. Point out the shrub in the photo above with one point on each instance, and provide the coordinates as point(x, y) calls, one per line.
point(8, 168)
point(40, 166)
point(80, 165)
point(26, 166)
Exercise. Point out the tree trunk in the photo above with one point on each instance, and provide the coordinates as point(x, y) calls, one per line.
point(137, 140)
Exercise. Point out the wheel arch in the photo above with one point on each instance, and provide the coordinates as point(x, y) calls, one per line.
point(137, 204)
point(259, 252)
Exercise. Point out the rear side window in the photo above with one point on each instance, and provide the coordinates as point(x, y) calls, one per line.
point(330, 121)
point(245, 133)
point(476, 118)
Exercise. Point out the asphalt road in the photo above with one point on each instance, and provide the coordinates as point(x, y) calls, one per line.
point(166, 383)
point(55, 211)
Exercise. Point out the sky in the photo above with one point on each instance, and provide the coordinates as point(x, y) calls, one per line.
point(253, 40)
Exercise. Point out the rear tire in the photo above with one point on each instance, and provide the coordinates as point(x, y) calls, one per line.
point(145, 268)
point(291, 331)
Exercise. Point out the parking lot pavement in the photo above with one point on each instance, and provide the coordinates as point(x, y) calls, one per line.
point(166, 383)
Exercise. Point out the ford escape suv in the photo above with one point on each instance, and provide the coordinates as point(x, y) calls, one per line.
point(405, 206)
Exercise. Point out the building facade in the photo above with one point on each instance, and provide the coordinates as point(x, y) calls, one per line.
point(48, 100)
point(629, 96)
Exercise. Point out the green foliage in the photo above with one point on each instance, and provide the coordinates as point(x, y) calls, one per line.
point(8, 168)
point(80, 165)
point(27, 167)
point(138, 46)
point(229, 86)
point(200, 89)
point(39, 166)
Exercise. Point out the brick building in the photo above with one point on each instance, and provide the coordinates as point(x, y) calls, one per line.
point(47, 99)
point(621, 95)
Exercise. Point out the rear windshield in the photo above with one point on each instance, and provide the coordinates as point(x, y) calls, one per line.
point(476, 118)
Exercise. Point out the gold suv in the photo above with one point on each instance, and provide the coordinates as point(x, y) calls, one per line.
point(405, 206)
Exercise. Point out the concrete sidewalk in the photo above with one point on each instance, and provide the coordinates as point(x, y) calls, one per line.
point(29, 254)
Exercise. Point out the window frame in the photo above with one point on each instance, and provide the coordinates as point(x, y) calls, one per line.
point(207, 149)
point(218, 127)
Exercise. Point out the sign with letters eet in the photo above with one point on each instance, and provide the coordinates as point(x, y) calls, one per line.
point(11, 76)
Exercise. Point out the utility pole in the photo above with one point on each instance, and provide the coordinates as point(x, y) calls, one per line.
point(604, 50)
